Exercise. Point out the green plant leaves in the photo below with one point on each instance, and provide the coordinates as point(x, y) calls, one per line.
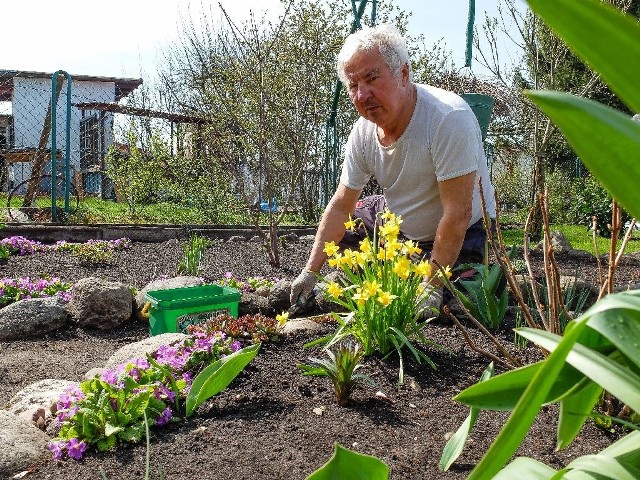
point(355, 466)
point(591, 129)
point(603, 37)
point(455, 445)
point(604, 370)
point(217, 376)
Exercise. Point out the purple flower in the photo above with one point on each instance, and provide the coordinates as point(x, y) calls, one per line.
point(164, 417)
point(235, 346)
point(162, 391)
point(109, 376)
point(75, 449)
point(57, 448)
point(228, 275)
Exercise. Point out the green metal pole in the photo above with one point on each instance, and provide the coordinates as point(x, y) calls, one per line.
point(331, 121)
point(54, 156)
point(470, 21)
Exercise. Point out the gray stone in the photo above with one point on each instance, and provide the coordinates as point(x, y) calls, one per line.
point(100, 303)
point(94, 372)
point(21, 444)
point(307, 238)
point(252, 303)
point(166, 284)
point(559, 242)
point(33, 316)
point(302, 325)
point(141, 348)
point(279, 297)
point(39, 395)
point(263, 291)
point(237, 238)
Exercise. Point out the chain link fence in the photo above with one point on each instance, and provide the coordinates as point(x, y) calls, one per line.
point(82, 134)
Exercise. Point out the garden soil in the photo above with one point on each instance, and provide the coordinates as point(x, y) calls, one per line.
point(272, 422)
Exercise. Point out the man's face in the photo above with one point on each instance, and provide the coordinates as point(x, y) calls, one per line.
point(377, 94)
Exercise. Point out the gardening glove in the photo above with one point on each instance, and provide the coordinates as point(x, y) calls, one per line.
point(431, 301)
point(302, 287)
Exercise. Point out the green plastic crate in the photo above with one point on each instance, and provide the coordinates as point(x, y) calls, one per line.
point(174, 309)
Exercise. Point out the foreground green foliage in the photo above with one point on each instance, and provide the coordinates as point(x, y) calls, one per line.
point(599, 349)
point(355, 466)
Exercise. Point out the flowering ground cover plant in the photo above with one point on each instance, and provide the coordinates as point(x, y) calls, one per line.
point(14, 289)
point(111, 407)
point(250, 284)
point(19, 245)
point(252, 328)
point(383, 288)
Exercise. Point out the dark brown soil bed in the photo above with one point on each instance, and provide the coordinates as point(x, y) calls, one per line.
point(264, 425)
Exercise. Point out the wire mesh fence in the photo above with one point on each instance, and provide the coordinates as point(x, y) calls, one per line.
point(45, 122)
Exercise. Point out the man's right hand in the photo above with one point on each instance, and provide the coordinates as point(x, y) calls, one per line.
point(302, 287)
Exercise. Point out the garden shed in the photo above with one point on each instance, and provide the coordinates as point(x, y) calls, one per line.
point(25, 113)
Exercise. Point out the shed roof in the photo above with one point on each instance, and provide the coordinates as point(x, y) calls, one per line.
point(124, 86)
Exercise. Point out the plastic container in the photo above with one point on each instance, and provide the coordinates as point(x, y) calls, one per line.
point(173, 310)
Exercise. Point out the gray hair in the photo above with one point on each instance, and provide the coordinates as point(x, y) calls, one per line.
point(385, 37)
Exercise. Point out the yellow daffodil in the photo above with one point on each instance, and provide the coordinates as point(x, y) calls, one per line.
point(282, 318)
point(385, 298)
point(382, 254)
point(335, 261)
point(360, 297)
point(402, 268)
point(371, 288)
point(334, 289)
point(361, 259)
point(390, 230)
point(393, 248)
point(330, 248)
point(387, 215)
point(447, 272)
point(350, 224)
point(411, 248)
point(365, 245)
point(422, 268)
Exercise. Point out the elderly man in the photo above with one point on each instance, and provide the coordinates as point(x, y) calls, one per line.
point(424, 147)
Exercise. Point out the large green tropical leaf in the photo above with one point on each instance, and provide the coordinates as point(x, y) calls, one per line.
point(525, 468)
point(615, 378)
point(456, 443)
point(345, 464)
point(504, 391)
point(591, 129)
point(217, 376)
point(603, 37)
point(574, 411)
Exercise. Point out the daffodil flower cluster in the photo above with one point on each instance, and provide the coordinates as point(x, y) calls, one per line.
point(383, 284)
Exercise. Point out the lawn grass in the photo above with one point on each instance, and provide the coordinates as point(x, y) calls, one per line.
point(580, 237)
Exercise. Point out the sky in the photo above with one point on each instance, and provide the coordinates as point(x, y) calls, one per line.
point(118, 38)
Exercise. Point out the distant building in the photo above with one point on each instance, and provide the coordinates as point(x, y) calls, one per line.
point(25, 98)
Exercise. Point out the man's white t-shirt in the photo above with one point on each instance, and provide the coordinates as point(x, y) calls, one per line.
point(442, 141)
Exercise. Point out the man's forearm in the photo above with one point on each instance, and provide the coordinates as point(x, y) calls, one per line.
point(447, 244)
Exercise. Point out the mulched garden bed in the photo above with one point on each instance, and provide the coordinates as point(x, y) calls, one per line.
point(272, 422)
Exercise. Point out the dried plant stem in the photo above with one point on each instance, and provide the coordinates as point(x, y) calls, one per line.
point(554, 289)
point(613, 265)
point(532, 278)
point(472, 344)
point(615, 229)
point(594, 233)
point(512, 362)
point(500, 253)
